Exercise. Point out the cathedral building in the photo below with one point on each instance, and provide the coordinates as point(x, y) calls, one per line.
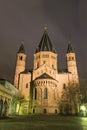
point(45, 88)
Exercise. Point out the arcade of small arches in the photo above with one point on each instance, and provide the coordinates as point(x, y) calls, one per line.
point(45, 83)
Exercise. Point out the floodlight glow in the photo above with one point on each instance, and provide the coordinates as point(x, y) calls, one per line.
point(83, 108)
point(17, 109)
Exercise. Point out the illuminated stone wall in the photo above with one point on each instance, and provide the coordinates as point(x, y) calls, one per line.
point(46, 64)
point(24, 85)
point(20, 67)
point(45, 57)
point(7, 91)
point(45, 96)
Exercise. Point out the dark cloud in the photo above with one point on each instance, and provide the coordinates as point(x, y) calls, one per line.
point(25, 19)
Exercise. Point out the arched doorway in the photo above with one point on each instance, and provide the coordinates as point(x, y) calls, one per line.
point(66, 109)
point(44, 111)
point(5, 107)
point(55, 111)
point(1, 107)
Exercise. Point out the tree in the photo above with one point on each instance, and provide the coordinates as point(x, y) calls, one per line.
point(70, 98)
point(83, 86)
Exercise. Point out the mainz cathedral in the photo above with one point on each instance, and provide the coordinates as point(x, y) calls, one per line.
point(45, 88)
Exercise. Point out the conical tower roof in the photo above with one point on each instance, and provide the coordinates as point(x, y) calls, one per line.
point(21, 49)
point(69, 49)
point(45, 43)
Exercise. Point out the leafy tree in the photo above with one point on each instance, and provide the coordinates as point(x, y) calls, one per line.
point(83, 86)
point(70, 98)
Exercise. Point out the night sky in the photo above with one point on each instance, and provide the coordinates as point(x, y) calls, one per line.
point(24, 20)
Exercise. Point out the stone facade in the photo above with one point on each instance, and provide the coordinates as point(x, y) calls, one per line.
point(7, 91)
point(43, 87)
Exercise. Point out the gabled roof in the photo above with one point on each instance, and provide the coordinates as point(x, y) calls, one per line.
point(69, 49)
point(21, 49)
point(26, 71)
point(45, 44)
point(5, 83)
point(45, 76)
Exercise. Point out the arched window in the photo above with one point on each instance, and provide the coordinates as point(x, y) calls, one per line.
point(73, 58)
point(44, 62)
point(35, 93)
point(64, 86)
point(69, 58)
point(21, 57)
point(26, 85)
point(45, 93)
point(54, 94)
point(38, 65)
point(52, 66)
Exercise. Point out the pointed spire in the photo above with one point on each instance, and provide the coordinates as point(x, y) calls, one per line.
point(45, 43)
point(69, 49)
point(21, 49)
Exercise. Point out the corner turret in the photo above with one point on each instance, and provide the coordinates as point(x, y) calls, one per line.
point(21, 49)
point(20, 64)
point(71, 62)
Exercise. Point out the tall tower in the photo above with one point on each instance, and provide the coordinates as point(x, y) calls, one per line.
point(20, 64)
point(71, 63)
point(45, 53)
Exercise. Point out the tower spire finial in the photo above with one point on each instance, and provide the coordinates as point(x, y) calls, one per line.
point(45, 28)
point(69, 49)
point(69, 42)
point(21, 49)
point(22, 42)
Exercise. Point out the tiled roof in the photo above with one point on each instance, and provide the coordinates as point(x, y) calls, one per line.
point(26, 71)
point(45, 44)
point(44, 76)
point(21, 49)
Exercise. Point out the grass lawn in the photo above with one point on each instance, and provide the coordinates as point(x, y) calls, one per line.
point(44, 122)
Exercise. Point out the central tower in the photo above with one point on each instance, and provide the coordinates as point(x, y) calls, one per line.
point(45, 53)
point(45, 90)
point(71, 63)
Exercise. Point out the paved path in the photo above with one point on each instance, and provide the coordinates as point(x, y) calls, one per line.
point(44, 122)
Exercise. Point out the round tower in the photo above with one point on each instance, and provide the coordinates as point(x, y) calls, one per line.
point(20, 64)
point(71, 62)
